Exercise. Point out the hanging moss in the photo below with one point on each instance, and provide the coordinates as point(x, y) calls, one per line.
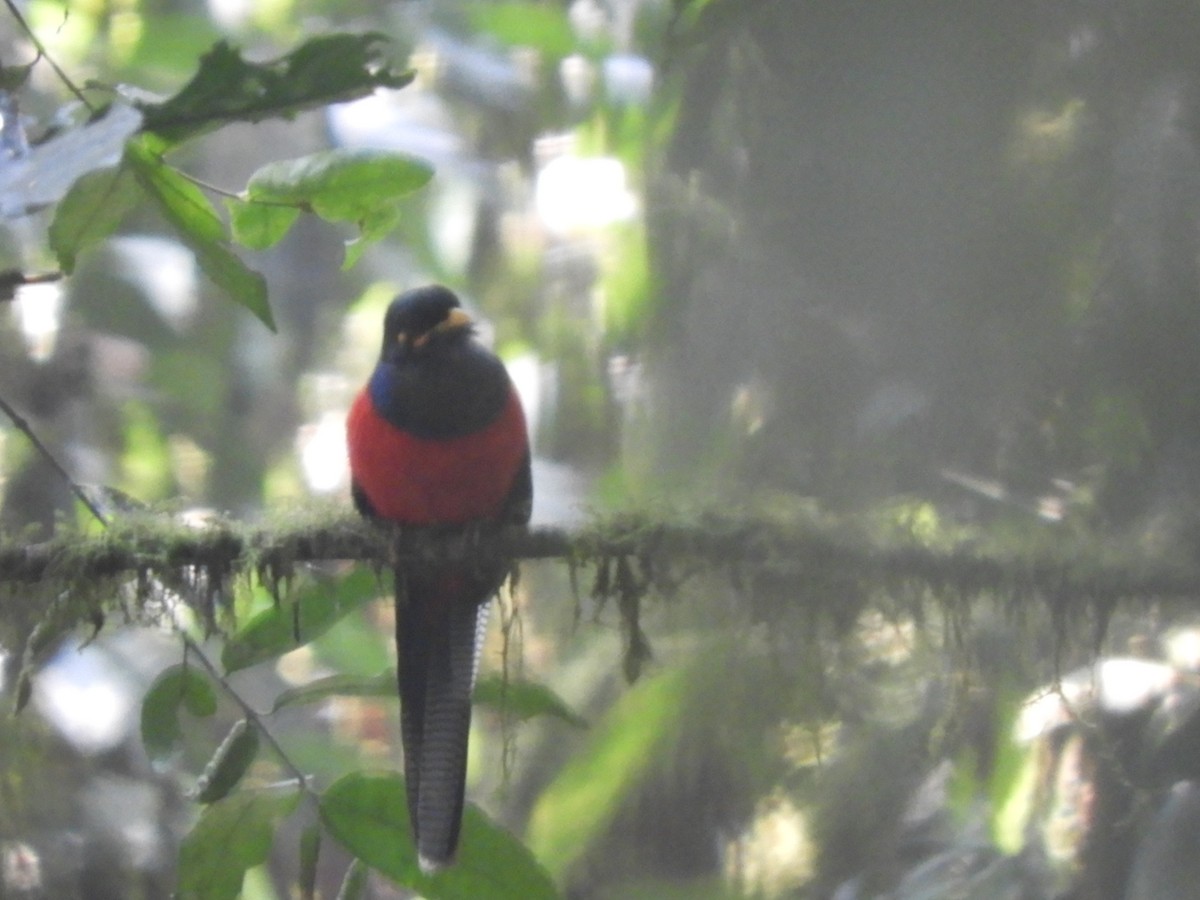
point(831, 568)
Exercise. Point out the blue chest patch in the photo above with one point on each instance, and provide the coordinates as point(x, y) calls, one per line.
point(439, 401)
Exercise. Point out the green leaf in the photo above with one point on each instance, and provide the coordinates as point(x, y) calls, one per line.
point(359, 186)
point(491, 863)
point(231, 837)
point(260, 226)
point(179, 687)
point(355, 645)
point(46, 173)
point(92, 210)
point(381, 685)
point(180, 200)
point(355, 883)
point(524, 700)
point(521, 699)
point(13, 78)
point(311, 612)
point(578, 806)
point(545, 28)
point(243, 285)
point(227, 766)
point(327, 69)
point(373, 226)
point(367, 813)
point(1016, 769)
point(341, 185)
point(195, 220)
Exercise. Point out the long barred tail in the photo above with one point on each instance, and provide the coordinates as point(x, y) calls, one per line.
point(437, 639)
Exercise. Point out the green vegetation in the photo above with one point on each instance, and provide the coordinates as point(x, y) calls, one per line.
point(866, 338)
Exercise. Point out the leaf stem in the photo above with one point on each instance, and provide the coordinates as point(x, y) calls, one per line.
point(41, 50)
point(234, 195)
point(209, 186)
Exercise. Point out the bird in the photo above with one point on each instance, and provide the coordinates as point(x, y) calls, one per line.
point(436, 437)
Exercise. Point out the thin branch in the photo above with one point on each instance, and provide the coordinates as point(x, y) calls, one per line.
point(23, 426)
point(196, 651)
point(41, 50)
point(12, 280)
point(192, 648)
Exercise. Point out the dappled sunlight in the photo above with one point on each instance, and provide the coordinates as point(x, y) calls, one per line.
point(38, 309)
point(164, 270)
point(577, 195)
point(92, 705)
point(322, 448)
point(777, 853)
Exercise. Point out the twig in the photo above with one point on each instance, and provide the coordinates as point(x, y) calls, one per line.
point(41, 49)
point(23, 426)
point(192, 648)
point(251, 714)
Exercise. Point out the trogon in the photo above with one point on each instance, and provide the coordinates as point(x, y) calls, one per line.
point(438, 437)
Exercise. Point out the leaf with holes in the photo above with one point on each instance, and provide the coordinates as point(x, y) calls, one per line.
point(330, 68)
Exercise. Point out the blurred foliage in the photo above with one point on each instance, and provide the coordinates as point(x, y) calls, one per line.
point(933, 271)
point(581, 802)
point(231, 836)
point(367, 814)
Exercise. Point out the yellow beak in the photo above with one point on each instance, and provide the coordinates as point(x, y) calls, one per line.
point(456, 318)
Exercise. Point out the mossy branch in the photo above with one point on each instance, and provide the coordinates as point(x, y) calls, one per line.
point(147, 545)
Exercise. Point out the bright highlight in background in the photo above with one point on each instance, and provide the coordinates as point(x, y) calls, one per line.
point(323, 458)
point(575, 194)
point(38, 308)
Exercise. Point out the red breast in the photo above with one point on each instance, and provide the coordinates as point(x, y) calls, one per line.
point(422, 481)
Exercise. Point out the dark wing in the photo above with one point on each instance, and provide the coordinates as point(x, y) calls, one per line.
point(361, 503)
point(518, 505)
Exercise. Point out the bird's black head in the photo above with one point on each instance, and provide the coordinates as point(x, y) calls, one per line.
point(432, 379)
point(422, 319)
